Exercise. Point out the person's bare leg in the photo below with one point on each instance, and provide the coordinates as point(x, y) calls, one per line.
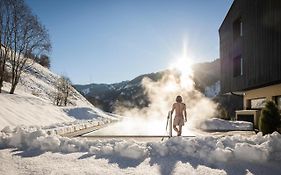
point(180, 130)
point(176, 129)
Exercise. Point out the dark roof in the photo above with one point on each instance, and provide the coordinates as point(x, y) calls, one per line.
point(234, 1)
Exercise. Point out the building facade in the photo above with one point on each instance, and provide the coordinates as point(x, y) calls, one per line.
point(250, 52)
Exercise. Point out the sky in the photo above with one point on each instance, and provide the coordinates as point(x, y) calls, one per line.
point(108, 41)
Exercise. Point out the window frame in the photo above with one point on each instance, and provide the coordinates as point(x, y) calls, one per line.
point(237, 27)
point(238, 69)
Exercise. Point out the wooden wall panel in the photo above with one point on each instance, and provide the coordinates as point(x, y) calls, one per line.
point(260, 45)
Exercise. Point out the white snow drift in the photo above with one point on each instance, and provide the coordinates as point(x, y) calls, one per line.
point(256, 148)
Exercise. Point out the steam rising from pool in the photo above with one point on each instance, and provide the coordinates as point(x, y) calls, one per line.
point(178, 80)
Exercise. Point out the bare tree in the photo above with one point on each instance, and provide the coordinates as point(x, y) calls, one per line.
point(6, 28)
point(1, 48)
point(28, 36)
point(58, 96)
point(67, 89)
point(63, 91)
point(21, 35)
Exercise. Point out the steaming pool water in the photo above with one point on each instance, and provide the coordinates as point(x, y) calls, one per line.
point(138, 127)
point(151, 130)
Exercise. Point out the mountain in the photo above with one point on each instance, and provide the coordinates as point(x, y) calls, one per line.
point(206, 74)
point(131, 93)
point(126, 93)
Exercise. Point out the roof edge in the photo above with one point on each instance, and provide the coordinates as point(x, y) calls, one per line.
point(234, 1)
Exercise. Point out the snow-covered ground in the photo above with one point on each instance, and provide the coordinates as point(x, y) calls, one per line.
point(29, 110)
point(30, 151)
point(32, 103)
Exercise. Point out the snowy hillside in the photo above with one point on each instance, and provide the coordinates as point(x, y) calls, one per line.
point(32, 103)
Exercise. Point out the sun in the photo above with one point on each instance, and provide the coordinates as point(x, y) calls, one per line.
point(183, 64)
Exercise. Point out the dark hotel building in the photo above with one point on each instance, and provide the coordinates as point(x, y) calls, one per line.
point(250, 52)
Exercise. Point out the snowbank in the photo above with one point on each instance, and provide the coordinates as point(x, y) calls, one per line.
point(215, 124)
point(257, 148)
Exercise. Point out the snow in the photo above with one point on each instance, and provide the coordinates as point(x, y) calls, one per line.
point(257, 148)
point(213, 90)
point(32, 103)
point(39, 148)
point(86, 113)
point(86, 91)
point(200, 155)
point(128, 86)
point(29, 110)
point(216, 124)
point(111, 87)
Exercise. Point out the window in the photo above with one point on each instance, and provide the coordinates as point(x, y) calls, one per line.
point(238, 66)
point(241, 28)
point(237, 28)
point(258, 103)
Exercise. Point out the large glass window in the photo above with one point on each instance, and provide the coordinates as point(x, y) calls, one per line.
point(258, 103)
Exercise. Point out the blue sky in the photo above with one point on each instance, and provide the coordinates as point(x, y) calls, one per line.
point(107, 41)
